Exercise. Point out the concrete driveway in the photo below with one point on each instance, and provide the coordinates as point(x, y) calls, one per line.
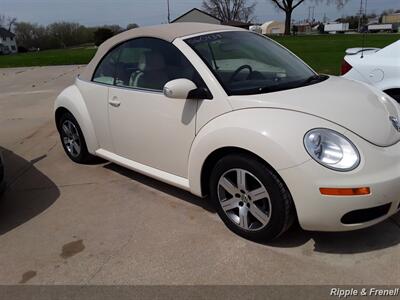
point(63, 223)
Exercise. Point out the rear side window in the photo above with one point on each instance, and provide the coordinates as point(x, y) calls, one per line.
point(105, 71)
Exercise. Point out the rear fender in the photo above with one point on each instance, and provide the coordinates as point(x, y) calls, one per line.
point(71, 99)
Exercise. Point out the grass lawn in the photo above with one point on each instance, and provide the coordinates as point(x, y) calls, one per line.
point(325, 53)
point(48, 58)
point(322, 52)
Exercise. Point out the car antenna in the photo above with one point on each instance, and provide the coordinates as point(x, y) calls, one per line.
point(365, 32)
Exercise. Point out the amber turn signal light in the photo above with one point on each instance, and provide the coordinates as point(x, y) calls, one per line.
point(345, 191)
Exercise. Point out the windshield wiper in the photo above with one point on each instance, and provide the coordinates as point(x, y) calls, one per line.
point(278, 87)
point(314, 79)
point(284, 86)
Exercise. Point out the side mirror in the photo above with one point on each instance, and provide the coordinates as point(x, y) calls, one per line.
point(179, 88)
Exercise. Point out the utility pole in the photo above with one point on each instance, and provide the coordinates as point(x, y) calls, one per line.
point(311, 14)
point(169, 13)
point(360, 15)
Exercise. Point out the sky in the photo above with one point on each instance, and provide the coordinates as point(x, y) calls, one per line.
point(151, 12)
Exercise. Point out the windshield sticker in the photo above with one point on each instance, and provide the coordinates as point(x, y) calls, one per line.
point(205, 38)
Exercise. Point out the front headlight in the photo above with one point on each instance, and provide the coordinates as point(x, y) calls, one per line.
point(331, 149)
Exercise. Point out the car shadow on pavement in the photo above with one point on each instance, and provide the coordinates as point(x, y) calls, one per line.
point(161, 186)
point(28, 191)
point(377, 237)
point(380, 236)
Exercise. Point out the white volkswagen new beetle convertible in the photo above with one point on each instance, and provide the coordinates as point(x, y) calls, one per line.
point(228, 113)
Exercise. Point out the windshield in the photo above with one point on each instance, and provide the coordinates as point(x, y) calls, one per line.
point(247, 63)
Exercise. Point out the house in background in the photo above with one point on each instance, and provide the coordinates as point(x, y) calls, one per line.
point(8, 44)
point(197, 15)
point(302, 28)
point(273, 27)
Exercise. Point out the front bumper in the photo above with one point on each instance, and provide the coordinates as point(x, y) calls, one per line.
point(379, 170)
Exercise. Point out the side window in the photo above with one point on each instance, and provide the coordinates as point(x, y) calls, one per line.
point(105, 71)
point(149, 63)
point(128, 64)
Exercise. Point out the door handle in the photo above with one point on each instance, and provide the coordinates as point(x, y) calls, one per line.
point(114, 102)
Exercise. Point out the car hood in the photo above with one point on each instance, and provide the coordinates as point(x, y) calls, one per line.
point(355, 106)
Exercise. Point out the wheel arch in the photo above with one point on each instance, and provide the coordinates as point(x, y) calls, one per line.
point(394, 93)
point(217, 154)
point(59, 112)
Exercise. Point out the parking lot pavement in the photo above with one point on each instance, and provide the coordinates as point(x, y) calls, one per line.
point(63, 223)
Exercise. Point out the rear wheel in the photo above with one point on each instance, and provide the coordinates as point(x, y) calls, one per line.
point(250, 198)
point(73, 140)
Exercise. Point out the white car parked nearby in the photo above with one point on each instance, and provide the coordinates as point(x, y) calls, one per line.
point(228, 113)
point(378, 67)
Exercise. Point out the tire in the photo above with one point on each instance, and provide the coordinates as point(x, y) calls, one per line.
point(262, 210)
point(79, 152)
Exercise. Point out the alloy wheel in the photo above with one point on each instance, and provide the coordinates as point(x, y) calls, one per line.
point(71, 138)
point(244, 199)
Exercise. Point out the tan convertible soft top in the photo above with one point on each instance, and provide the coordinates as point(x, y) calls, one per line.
point(167, 32)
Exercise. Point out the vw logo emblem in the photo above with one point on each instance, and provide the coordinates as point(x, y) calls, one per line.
point(395, 123)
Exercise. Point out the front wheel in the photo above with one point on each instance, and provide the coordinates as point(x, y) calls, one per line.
point(73, 140)
point(250, 198)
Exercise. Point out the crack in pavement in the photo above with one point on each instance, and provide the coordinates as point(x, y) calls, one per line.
point(107, 260)
point(27, 93)
point(35, 132)
point(28, 166)
point(71, 185)
point(76, 68)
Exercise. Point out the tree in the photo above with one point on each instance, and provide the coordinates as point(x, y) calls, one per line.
point(11, 22)
point(68, 34)
point(31, 35)
point(26, 34)
point(101, 35)
point(132, 26)
point(115, 28)
point(52, 36)
point(230, 10)
point(288, 6)
point(7, 22)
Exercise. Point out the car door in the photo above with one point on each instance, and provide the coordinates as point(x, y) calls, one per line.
point(95, 93)
point(147, 127)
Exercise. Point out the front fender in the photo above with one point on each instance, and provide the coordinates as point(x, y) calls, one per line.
point(275, 135)
point(72, 100)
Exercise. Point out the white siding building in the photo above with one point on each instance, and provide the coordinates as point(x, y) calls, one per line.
point(273, 27)
point(7, 41)
point(197, 15)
